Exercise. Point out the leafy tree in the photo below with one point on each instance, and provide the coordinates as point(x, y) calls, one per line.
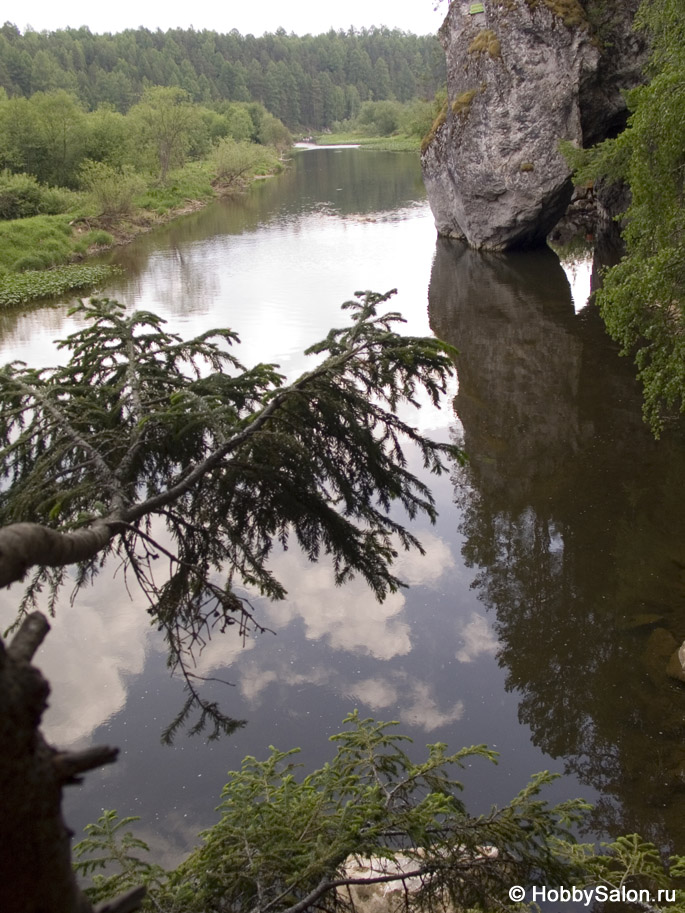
point(108, 136)
point(232, 161)
point(111, 189)
point(60, 121)
point(166, 120)
point(643, 297)
point(20, 140)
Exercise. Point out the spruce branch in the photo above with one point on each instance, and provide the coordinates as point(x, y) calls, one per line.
point(133, 437)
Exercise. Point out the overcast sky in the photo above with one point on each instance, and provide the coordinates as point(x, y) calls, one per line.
point(255, 16)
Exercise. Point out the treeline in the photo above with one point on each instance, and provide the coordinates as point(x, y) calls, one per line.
point(50, 135)
point(308, 81)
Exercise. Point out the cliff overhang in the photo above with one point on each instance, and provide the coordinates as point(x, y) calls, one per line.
point(522, 75)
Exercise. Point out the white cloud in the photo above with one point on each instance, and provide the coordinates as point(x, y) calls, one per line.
point(93, 646)
point(477, 638)
point(377, 693)
point(414, 701)
point(350, 618)
point(423, 711)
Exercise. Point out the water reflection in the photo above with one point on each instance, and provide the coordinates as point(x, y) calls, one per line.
point(575, 520)
point(275, 264)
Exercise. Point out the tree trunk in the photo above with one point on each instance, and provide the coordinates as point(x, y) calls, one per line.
point(24, 545)
point(36, 874)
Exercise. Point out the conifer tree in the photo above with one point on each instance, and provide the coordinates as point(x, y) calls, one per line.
point(145, 446)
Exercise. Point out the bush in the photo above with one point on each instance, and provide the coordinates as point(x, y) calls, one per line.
point(99, 237)
point(29, 262)
point(232, 161)
point(112, 190)
point(21, 196)
point(380, 118)
point(272, 132)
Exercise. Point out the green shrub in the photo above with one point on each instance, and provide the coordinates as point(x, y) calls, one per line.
point(29, 262)
point(380, 118)
point(112, 190)
point(232, 161)
point(98, 237)
point(21, 196)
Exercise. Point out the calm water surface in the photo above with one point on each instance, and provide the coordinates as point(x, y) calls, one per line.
point(540, 620)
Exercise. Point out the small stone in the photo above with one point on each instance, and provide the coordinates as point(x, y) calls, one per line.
point(676, 664)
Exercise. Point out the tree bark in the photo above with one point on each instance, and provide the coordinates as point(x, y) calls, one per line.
point(36, 874)
point(24, 545)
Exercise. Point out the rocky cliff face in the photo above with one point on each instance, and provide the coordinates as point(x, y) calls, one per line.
point(521, 76)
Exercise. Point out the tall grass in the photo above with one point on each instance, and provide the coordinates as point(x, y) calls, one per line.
point(41, 242)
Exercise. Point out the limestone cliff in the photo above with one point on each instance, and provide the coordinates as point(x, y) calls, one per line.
point(521, 76)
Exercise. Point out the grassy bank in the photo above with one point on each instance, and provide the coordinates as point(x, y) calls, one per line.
point(399, 143)
point(40, 256)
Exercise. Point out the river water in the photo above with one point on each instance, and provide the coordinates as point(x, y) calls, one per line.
point(542, 617)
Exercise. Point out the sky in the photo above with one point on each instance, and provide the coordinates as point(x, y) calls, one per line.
point(247, 16)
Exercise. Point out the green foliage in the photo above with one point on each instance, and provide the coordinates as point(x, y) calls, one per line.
point(192, 182)
point(630, 864)
point(643, 298)
point(379, 118)
point(140, 427)
point(438, 120)
point(107, 845)
point(233, 161)
point(21, 195)
point(49, 240)
point(34, 284)
point(282, 840)
point(165, 121)
point(112, 190)
point(308, 81)
point(274, 133)
point(387, 125)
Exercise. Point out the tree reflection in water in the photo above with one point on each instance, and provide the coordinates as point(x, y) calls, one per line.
point(575, 517)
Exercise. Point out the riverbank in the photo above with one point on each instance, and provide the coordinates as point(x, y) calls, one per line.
point(398, 143)
point(43, 256)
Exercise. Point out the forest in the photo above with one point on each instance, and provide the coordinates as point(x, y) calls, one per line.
point(90, 112)
point(309, 81)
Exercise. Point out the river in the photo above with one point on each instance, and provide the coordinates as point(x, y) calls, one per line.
point(541, 619)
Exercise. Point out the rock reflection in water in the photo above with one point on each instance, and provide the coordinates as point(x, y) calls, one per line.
point(575, 518)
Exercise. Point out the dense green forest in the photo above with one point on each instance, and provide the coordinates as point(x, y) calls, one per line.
point(309, 81)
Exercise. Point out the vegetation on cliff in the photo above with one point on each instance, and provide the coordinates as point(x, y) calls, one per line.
point(643, 297)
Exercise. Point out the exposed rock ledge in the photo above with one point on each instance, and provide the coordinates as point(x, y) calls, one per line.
point(520, 78)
